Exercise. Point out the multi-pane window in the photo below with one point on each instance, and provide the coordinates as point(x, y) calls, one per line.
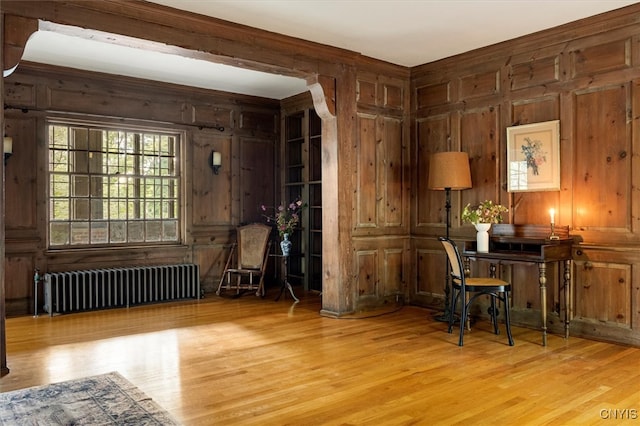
point(112, 186)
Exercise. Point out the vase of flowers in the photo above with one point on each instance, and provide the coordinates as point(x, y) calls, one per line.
point(482, 216)
point(286, 220)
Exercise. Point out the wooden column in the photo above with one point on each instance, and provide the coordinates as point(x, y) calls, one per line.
point(337, 114)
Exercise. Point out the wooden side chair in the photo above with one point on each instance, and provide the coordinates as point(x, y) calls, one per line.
point(247, 260)
point(469, 289)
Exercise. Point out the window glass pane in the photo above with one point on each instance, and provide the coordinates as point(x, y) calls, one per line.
point(117, 209)
point(149, 166)
point(152, 210)
point(136, 231)
point(133, 209)
point(163, 166)
point(59, 137)
point(99, 232)
point(59, 233)
point(80, 139)
point(95, 160)
point(80, 187)
point(80, 233)
point(98, 186)
point(59, 185)
point(154, 231)
point(59, 161)
point(132, 187)
point(167, 209)
point(97, 208)
point(104, 183)
point(118, 187)
point(169, 230)
point(59, 209)
point(130, 164)
point(80, 208)
point(117, 232)
point(149, 144)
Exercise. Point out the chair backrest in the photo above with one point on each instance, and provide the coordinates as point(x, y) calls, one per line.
point(457, 271)
point(252, 245)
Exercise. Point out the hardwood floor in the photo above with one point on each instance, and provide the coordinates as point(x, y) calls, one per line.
point(255, 361)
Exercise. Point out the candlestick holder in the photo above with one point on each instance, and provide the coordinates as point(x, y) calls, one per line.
point(553, 235)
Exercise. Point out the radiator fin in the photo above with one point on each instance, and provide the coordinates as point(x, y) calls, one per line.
point(75, 291)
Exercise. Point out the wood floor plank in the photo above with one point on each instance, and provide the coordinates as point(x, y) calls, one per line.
point(254, 361)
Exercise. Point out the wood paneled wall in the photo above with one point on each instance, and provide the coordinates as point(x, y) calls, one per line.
point(213, 205)
point(381, 189)
point(586, 75)
point(330, 71)
point(388, 120)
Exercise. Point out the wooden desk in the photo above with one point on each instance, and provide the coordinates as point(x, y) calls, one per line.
point(529, 244)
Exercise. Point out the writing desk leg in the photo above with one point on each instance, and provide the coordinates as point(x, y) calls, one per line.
point(542, 278)
point(567, 297)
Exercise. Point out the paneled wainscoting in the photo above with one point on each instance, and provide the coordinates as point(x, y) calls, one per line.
point(255, 361)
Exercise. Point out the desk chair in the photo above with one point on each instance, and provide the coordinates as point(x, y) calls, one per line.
point(250, 253)
point(474, 287)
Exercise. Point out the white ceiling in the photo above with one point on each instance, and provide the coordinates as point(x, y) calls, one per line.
point(403, 32)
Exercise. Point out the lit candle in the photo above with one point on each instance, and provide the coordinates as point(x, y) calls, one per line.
point(552, 213)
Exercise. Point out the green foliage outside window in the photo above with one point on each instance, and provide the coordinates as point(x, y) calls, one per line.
point(112, 186)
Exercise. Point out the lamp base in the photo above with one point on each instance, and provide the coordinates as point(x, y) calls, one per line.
point(444, 317)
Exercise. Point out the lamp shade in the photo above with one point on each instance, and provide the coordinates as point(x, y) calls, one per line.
point(449, 170)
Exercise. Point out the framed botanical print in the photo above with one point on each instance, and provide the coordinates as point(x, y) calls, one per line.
point(533, 157)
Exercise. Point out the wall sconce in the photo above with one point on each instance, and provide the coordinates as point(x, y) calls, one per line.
point(8, 148)
point(216, 161)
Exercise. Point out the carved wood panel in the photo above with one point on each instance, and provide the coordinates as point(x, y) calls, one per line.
point(211, 194)
point(535, 71)
point(432, 95)
point(393, 203)
point(433, 135)
point(480, 138)
point(381, 170)
point(602, 190)
point(21, 188)
point(601, 57)
point(211, 259)
point(381, 268)
point(367, 272)
point(19, 284)
point(394, 271)
point(526, 287)
point(431, 271)
point(367, 182)
point(480, 84)
point(256, 177)
point(603, 292)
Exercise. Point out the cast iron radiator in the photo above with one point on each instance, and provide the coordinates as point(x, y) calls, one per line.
point(76, 291)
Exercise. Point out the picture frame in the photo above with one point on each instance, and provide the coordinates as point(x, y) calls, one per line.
point(533, 157)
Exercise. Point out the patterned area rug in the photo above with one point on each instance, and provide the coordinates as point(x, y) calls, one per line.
point(107, 399)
